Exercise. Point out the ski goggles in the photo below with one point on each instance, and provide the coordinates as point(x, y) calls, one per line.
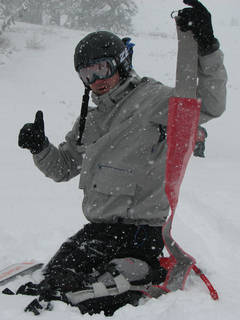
point(99, 69)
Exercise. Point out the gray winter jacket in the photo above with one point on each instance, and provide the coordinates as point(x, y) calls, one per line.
point(122, 161)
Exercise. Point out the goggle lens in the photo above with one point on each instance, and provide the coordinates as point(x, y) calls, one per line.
point(100, 70)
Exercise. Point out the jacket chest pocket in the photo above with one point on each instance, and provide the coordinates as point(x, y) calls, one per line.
point(114, 181)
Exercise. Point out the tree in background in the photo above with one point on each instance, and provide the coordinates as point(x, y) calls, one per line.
point(9, 11)
point(2, 10)
point(34, 14)
point(7, 7)
point(112, 15)
point(54, 9)
point(23, 10)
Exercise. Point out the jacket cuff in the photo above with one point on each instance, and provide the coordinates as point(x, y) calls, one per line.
point(42, 154)
point(209, 49)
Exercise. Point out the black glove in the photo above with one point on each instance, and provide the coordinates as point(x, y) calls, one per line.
point(198, 20)
point(32, 135)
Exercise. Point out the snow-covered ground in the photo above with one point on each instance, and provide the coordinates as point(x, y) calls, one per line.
point(37, 215)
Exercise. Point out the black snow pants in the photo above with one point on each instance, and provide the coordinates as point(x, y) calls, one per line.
point(92, 248)
point(97, 244)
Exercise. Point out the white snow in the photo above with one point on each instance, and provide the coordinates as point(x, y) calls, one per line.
point(37, 215)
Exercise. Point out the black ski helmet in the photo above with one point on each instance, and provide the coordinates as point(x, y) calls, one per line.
point(100, 44)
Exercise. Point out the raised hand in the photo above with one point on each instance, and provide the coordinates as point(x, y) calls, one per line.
point(32, 135)
point(198, 20)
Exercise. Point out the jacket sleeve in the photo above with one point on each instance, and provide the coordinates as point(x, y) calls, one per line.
point(62, 163)
point(212, 78)
point(211, 89)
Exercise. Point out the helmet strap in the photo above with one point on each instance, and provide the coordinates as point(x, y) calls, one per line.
point(83, 115)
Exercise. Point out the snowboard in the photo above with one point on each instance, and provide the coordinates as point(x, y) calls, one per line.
point(18, 269)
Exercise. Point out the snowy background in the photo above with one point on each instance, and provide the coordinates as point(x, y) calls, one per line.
point(37, 215)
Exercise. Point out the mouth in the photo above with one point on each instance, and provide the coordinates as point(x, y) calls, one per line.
point(102, 89)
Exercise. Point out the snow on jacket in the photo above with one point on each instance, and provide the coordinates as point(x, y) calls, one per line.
point(121, 162)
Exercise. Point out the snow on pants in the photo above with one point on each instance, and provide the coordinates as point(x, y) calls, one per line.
point(94, 246)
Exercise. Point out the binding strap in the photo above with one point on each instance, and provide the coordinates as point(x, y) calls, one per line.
point(121, 275)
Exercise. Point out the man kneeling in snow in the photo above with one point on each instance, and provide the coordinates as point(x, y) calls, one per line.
point(119, 150)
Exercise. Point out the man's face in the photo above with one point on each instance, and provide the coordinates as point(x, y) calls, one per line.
point(101, 86)
point(101, 75)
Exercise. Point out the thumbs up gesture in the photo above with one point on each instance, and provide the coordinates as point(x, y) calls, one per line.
point(32, 135)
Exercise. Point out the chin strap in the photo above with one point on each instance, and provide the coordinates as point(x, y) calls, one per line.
point(83, 115)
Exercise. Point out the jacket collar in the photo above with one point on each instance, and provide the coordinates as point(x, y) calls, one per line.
point(110, 99)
